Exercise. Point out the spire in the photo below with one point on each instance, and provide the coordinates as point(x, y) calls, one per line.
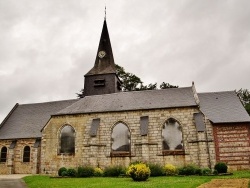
point(104, 63)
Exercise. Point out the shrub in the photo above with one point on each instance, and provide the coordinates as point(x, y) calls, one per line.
point(85, 171)
point(138, 172)
point(64, 173)
point(221, 167)
point(71, 172)
point(206, 171)
point(114, 171)
point(189, 170)
point(156, 170)
point(98, 172)
point(61, 170)
point(170, 170)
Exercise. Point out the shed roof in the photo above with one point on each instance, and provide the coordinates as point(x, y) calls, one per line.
point(26, 120)
point(135, 100)
point(223, 107)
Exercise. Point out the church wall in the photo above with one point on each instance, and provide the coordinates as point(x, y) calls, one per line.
point(96, 150)
point(14, 163)
point(232, 143)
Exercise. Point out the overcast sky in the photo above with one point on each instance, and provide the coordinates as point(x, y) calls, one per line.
point(47, 46)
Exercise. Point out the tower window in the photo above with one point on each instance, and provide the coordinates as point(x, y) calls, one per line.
point(99, 82)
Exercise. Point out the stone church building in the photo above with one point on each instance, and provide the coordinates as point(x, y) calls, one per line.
point(111, 127)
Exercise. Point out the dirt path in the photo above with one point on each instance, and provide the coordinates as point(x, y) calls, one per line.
point(226, 183)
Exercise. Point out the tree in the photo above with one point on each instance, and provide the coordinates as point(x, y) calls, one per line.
point(131, 82)
point(244, 95)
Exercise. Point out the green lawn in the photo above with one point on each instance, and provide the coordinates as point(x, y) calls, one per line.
point(159, 182)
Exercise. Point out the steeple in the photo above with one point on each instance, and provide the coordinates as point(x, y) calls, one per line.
point(104, 63)
point(102, 78)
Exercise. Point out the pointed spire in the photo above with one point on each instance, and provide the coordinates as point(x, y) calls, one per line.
point(104, 63)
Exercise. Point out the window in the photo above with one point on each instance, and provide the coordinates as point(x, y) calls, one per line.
point(3, 155)
point(120, 138)
point(99, 82)
point(26, 154)
point(172, 137)
point(67, 140)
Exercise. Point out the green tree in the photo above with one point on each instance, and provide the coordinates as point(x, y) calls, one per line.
point(244, 95)
point(131, 82)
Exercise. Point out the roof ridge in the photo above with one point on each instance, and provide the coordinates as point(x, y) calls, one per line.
point(153, 90)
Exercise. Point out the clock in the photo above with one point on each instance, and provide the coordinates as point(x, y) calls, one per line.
point(101, 54)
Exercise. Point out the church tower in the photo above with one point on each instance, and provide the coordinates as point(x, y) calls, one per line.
point(102, 78)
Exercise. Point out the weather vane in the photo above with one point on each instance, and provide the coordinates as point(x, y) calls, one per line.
point(105, 13)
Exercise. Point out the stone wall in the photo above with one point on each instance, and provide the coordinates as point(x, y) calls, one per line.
point(96, 150)
point(14, 163)
point(232, 143)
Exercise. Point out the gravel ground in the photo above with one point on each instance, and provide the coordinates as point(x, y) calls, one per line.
point(226, 183)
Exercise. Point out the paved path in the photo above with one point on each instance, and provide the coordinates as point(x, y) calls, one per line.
point(12, 181)
point(226, 183)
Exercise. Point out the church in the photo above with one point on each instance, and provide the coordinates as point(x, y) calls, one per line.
point(110, 127)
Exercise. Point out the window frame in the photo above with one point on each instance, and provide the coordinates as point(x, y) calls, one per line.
point(2, 158)
point(26, 154)
point(62, 151)
point(125, 153)
point(175, 151)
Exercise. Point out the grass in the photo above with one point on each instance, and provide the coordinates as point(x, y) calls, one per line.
point(159, 182)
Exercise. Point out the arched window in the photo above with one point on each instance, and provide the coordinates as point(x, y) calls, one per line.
point(26, 154)
point(67, 140)
point(3, 157)
point(172, 135)
point(120, 138)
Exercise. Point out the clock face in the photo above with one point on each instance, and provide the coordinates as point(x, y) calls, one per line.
point(101, 54)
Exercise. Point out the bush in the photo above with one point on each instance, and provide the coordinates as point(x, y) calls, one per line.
point(85, 171)
point(61, 170)
point(170, 170)
point(64, 173)
point(114, 171)
point(98, 172)
point(206, 171)
point(138, 172)
point(156, 170)
point(71, 172)
point(190, 170)
point(221, 167)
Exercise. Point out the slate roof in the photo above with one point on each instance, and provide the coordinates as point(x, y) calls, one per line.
point(223, 107)
point(135, 100)
point(27, 120)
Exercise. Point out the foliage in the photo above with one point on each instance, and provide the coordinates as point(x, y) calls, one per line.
point(170, 170)
point(189, 170)
point(131, 82)
point(71, 172)
point(156, 170)
point(244, 95)
point(61, 170)
point(114, 171)
point(85, 171)
point(64, 173)
point(138, 172)
point(98, 172)
point(206, 171)
point(220, 167)
point(36, 181)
